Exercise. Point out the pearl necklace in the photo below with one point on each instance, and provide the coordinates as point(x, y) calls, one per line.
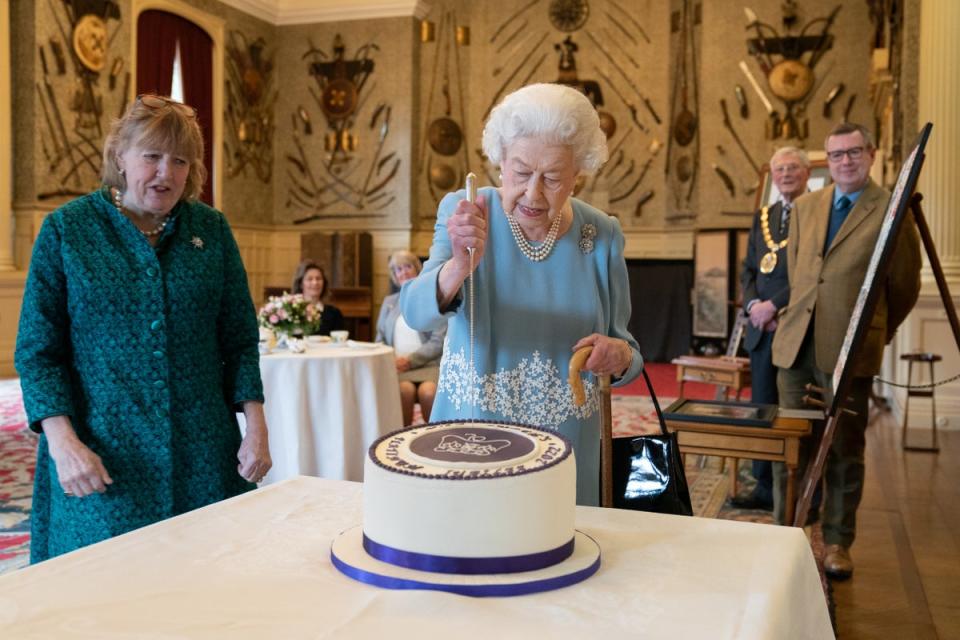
point(535, 253)
point(118, 202)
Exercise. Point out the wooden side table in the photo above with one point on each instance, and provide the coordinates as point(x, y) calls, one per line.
point(724, 371)
point(777, 443)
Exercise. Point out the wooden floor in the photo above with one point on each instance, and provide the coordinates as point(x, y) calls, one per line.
point(906, 582)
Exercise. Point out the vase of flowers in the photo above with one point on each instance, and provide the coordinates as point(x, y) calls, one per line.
point(290, 315)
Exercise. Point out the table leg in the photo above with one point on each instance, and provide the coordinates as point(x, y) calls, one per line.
point(734, 463)
point(790, 506)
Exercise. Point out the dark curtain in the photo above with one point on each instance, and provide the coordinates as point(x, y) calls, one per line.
point(156, 46)
point(196, 58)
point(157, 35)
point(662, 314)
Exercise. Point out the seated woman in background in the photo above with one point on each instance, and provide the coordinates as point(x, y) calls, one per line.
point(418, 352)
point(311, 281)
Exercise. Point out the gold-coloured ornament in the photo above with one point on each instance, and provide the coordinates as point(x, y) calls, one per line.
point(428, 31)
point(769, 260)
point(790, 80)
point(90, 42)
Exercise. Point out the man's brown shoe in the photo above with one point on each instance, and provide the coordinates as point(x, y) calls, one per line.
point(837, 564)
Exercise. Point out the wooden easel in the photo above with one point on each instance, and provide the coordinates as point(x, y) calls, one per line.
point(814, 471)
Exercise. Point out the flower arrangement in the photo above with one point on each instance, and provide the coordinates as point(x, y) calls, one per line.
point(290, 314)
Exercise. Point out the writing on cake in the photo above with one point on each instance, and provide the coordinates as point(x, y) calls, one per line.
point(470, 444)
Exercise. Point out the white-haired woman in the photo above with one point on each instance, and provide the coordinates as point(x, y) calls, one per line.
point(549, 274)
point(418, 352)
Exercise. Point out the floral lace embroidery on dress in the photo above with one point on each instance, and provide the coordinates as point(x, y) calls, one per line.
point(533, 393)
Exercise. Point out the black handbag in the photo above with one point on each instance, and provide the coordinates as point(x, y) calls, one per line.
point(648, 470)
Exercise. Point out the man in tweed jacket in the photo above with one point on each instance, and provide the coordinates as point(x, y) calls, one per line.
point(832, 237)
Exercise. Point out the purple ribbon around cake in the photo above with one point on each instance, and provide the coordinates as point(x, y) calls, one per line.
point(467, 566)
point(475, 590)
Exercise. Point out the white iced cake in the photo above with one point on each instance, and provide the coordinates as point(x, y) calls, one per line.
point(470, 490)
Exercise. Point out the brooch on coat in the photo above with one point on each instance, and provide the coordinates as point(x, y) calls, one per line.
point(196, 242)
point(587, 233)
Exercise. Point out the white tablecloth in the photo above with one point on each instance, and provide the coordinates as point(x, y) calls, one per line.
point(258, 566)
point(325, 407)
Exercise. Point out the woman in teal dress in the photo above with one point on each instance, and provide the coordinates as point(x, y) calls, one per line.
point(138, 343)
point(549, 277)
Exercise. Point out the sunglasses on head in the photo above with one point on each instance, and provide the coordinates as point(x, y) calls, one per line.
point(152, 101)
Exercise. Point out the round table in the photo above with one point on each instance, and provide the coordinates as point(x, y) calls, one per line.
point(325, 407)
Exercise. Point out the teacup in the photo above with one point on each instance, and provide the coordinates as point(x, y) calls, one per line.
point(340, 336)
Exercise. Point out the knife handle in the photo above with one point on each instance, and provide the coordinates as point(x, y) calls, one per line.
point(471, 186)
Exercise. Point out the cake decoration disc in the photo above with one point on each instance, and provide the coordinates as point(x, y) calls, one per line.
point(350, 558)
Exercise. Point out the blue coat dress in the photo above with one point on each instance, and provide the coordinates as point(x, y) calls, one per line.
point(149, 350)
point(528, 317)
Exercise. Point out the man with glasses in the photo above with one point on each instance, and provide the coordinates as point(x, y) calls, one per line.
point(833, 233)
point(765, 290)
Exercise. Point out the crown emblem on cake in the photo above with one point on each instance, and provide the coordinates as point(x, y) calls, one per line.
point(470, 444)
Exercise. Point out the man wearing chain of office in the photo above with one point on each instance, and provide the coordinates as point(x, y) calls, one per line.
point(766, 290)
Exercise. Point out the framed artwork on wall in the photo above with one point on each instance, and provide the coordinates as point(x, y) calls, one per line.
point(819, 178)
point(711, 284)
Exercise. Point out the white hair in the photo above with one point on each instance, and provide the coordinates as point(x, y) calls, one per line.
point(799, 154)
point(553, 113)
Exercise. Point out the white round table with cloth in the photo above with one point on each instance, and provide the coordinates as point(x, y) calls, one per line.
point(326, 406)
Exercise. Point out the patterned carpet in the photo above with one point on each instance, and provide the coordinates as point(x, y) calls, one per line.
point(17, 451)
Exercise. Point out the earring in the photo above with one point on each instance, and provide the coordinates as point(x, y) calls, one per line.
point(500, 178)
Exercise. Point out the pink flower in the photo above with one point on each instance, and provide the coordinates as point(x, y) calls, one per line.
point(274, 319)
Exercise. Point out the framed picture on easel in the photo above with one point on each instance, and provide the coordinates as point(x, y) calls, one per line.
point(865, 305)
point(882, 252)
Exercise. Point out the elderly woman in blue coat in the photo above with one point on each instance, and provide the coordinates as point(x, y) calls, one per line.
point(549, 277)
point(138, 344)
point(418, 352)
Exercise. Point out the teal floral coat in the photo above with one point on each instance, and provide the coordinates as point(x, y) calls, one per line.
point(150, 351)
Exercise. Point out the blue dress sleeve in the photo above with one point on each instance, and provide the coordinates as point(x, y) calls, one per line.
point(43, 337)
point(620, 306)
point(418, 297)
point(237, 328)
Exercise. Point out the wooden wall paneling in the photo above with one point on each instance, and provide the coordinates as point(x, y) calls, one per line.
point(11, 295)
point(347, 259)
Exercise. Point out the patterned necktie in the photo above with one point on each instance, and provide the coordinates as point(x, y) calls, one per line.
point(785, 218)
point(837, 215)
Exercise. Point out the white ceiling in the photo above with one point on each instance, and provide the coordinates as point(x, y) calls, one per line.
point(282, 12)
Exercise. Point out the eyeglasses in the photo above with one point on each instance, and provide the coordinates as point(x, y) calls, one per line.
point(854, 153)
point(787, 168)
point(152, 101)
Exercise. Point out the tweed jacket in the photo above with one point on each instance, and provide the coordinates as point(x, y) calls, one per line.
point(824, 286)
point(772, 286)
